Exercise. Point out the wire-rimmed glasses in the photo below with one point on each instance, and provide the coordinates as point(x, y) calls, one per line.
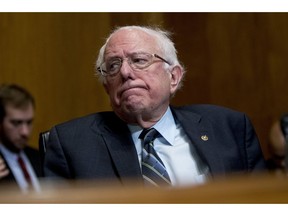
point(138, 61)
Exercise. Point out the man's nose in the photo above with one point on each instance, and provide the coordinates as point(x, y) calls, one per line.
point(125, 69)
point(25, 129)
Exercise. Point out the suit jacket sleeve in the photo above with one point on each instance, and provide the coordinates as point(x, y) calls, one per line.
point(55, 164)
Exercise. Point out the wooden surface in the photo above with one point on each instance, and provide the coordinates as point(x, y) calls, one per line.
point(248, 190)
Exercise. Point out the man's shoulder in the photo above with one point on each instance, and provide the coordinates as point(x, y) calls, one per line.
point(97, 121)
point(220, 117)
point(207, 110)
point(88, 119)
point(204, 108)
point(30, 149)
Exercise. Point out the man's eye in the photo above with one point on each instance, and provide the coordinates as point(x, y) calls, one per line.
point(29, 122)
point(140, 61)
point(16, 123)
point(113, 65)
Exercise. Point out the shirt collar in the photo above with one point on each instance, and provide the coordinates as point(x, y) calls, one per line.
point(165, 126)
point(9, 154)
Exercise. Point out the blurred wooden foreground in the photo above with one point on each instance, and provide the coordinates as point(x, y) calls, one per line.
point(255, 190)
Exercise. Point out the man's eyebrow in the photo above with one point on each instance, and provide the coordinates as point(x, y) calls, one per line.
point(113, 57)
point(21, 120)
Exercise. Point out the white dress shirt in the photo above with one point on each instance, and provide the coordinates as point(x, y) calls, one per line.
point(175, 150)
point(12, 161)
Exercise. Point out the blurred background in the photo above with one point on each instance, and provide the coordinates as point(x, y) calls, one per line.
point(237, 60)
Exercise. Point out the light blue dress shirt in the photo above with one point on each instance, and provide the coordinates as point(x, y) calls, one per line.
point(175, 150)
point(11, 158)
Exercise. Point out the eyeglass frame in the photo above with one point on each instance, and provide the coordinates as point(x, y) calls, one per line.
point(104, 73)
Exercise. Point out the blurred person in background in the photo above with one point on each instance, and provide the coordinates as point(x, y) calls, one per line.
point(19, 163)
point(277, 146)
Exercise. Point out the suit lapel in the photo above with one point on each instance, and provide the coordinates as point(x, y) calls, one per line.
point(120, 145)
point(201, 134)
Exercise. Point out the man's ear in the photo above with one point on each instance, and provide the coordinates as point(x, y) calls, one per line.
point(176, 77)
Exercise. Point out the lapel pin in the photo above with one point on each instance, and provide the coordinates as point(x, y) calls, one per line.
point(204, 138)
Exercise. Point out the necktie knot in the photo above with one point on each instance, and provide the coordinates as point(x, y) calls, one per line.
point(148, 135)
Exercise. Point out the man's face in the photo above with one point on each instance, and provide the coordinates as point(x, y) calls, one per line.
point(16, 128)
point(137, 93)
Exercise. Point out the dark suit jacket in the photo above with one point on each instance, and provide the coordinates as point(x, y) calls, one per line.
point(34, 158)
point(99, 146)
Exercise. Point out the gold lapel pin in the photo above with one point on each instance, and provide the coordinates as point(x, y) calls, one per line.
point(204, 137)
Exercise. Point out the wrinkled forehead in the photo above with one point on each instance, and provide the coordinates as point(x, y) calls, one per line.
point(131, 40)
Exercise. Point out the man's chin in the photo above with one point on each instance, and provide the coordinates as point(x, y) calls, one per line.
point(132, 109)
point(21, 145)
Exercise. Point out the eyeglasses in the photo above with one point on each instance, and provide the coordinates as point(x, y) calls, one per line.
point(138, 61)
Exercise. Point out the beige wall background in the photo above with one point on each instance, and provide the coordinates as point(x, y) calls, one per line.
point(237, 60)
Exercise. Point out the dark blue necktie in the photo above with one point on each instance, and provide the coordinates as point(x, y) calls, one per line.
point(153, 169)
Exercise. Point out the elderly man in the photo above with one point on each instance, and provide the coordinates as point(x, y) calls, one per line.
point(145, 139)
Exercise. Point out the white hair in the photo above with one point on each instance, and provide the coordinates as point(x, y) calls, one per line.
point(163, 40)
